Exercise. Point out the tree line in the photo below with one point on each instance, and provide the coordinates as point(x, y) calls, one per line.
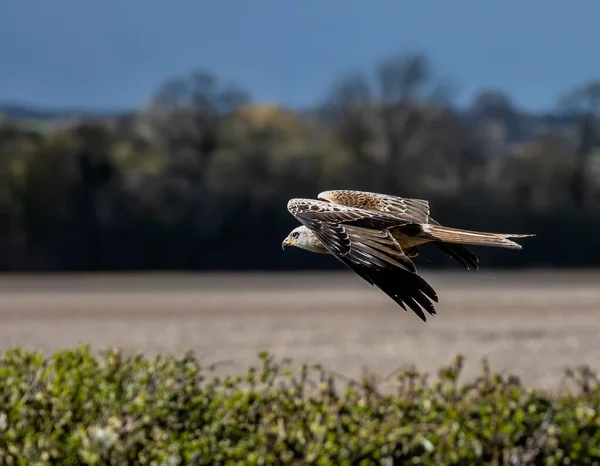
point(199, 178)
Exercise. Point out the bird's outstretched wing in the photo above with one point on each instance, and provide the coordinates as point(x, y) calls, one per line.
point(406, 209)
point(360, 239)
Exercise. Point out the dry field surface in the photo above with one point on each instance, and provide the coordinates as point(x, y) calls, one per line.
point(532, 324)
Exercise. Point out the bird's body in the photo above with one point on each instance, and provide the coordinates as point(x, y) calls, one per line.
point(377, 235)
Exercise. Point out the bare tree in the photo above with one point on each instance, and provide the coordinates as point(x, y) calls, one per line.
point(349, 111)
point(385, 124)
point(584, 104)
point(184, 116)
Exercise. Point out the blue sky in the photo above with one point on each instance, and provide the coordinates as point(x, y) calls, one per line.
point(116, 53)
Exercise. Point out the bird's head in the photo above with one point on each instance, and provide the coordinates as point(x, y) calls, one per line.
point(303, 238)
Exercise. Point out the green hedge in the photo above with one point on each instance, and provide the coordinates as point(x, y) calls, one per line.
point(76, 408)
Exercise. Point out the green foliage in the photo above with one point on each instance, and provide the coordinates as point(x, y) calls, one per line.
point(75, 408)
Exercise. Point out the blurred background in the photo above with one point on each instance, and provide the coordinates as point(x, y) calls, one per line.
point(148, 136)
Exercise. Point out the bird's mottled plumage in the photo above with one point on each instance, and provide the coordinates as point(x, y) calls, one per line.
point(376, 235)
point(414, 210)
point(406, 209)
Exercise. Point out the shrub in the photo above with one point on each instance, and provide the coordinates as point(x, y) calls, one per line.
point(76, 408)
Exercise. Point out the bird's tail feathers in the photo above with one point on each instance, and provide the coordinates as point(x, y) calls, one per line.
point(475, 238)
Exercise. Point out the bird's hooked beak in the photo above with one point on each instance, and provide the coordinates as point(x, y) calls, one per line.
point(287, 242)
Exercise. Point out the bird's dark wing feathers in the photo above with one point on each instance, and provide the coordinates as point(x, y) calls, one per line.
point(361, 241)
point(460, 253)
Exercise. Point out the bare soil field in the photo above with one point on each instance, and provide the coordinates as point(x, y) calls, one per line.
point(533, 324)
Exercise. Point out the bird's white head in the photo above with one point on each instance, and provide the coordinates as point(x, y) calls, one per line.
point(303, 238)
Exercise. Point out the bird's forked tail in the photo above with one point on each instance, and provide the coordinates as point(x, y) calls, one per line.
point(475, 238)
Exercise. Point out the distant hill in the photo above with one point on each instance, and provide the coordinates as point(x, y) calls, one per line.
point(505, 124)
point(31, 112)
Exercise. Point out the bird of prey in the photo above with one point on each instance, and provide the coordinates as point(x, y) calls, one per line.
point(377, 235)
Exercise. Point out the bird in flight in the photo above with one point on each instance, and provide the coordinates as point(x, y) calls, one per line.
point(378, 235)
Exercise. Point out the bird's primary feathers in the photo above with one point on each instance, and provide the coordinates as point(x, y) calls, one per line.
point(376, 235)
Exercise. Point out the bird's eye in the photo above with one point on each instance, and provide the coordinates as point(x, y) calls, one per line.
point(295, 235)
